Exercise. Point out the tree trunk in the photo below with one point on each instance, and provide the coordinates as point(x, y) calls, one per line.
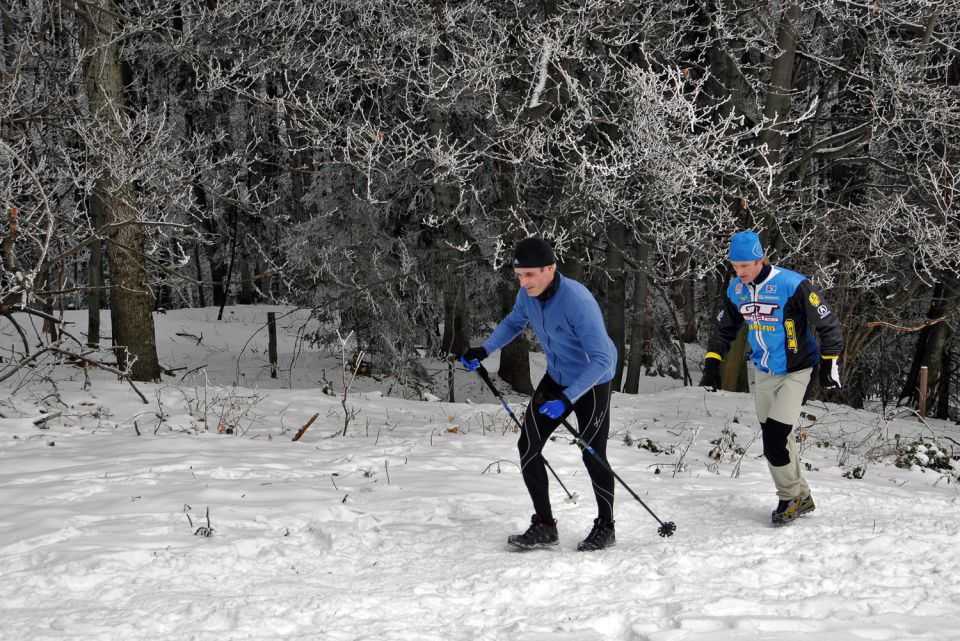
point(936, 350)
point(234, 240)
point(94, 275)
point(515, 357)
point(248, 294)
point(943, 387)
point(931, 343)
point(46, 304)
point(733, 370)
point(133, 329)
point(515, 365)
point(683, 299)
point(640, 328)
point(446, 198)
point(456, 313)
point(201, 297)
point(616, 297)
point(264, 283)
point(163, 293)
point(456, 319)
point(777, 103)
point(218, 275)
point(9, 49)
point(301, 181)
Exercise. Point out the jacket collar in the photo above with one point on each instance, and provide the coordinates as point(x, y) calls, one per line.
point(551, 289)
point(762, 276)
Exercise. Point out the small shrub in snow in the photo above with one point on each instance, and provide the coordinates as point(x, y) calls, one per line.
point(726, 443)
point(926, 455)
point(855, 473)
point(653, 446)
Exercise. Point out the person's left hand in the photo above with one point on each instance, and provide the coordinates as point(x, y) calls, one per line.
point(830, 373)
point(555, 407)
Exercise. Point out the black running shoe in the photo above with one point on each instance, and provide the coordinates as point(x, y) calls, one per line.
point(538, 535)
point(601, 536)
point(787, 511)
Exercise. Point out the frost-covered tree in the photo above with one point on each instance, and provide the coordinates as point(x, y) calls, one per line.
point(377, 161)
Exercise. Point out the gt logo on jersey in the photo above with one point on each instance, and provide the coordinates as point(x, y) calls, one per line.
point(759, 311)
point(814, 299)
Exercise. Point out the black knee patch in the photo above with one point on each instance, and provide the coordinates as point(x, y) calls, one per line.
point(775, 435)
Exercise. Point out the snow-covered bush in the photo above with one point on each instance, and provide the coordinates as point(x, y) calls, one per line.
point(928, 454)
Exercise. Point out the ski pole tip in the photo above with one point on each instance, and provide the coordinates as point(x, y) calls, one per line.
point(667, 529)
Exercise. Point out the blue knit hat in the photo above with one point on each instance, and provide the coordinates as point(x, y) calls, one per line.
point(745, 246)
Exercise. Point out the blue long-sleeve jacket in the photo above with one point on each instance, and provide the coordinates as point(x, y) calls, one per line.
point(571, 331)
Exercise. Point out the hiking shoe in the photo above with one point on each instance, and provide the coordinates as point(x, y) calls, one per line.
point(789, 510)
point(538, 535)
point(601, 536)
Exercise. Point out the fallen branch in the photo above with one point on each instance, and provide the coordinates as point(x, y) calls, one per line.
point(900, 328)
point(304, 428)
point(44, 418)
point(199, 339)
point(21, 364)
point(103, 366)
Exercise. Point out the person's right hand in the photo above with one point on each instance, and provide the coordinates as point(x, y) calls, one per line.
point(472, 356)
point(711, 375)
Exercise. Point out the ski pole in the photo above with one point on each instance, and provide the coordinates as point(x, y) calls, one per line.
point(485, 376)
point(665, 529)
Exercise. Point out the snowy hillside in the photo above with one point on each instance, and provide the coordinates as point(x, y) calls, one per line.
point(396, 531)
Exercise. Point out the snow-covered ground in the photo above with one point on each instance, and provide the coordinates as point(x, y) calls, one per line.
point(396, 531)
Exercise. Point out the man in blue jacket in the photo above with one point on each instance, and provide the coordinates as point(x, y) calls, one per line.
point(779, 307)
point(580, 364)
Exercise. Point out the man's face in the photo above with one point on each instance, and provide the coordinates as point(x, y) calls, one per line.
point(747, 270)
point(535, 279)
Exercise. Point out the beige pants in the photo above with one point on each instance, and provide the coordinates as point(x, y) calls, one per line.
point(779, 397)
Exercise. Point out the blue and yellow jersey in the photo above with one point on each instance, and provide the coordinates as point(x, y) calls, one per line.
point(779, 308)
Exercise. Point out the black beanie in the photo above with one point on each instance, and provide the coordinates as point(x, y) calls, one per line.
point(533, 252)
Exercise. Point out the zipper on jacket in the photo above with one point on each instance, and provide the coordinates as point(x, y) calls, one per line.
point(758, 332)
point(546, 333)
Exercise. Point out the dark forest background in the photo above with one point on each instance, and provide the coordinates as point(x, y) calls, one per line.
point(376, 161)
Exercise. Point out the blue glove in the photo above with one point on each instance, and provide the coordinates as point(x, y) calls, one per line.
point(555, 408)
point(472, 357)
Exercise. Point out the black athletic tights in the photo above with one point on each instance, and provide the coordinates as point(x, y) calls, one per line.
point(593, 418)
